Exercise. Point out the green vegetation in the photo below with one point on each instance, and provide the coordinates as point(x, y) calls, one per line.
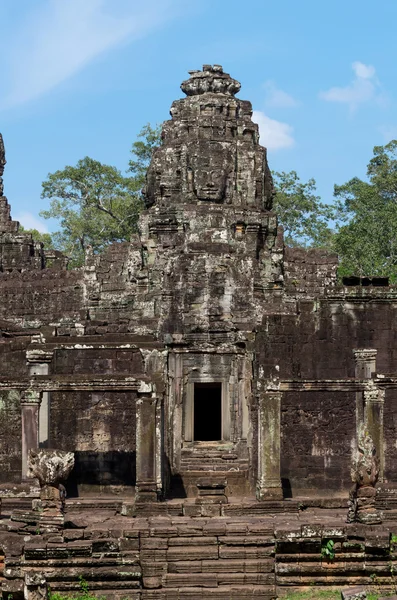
point(83, 594)
point(367, 242)
point(328, 550)
point(306, 220)
point(95, 204)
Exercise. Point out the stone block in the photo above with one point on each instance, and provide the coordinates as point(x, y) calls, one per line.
point(192, 553)
point(355, 593)
point(105, 545)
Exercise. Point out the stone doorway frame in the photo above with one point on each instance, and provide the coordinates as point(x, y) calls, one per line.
point(188, 412)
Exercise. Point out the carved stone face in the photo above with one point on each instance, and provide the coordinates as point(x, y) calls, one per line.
point(210, 171)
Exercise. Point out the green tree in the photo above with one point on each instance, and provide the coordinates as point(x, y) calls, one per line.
point(142, 151)
point(38, 236)
point(306, 220)
point(367, 241)
point(94, 203)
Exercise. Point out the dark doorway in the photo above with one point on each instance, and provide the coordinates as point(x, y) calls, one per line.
point(207, 412)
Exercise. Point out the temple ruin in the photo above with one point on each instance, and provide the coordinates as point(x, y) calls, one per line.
point(207, 388)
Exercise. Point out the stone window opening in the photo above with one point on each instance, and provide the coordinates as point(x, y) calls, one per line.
point(207, 412)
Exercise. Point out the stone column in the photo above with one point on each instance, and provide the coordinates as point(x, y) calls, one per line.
point(269, 481)
point(39, 361)
point(365, 365)
point(35, 587)
point(374, 400)
point(30, 406)
point(146, 449)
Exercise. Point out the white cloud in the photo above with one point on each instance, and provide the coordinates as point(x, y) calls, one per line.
point(60, 37)
point(276, 97)
point(363, 71)
point(30, 221)
point(363, 88)
point(275, 135)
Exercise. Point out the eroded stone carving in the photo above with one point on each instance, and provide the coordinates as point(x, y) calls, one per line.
point(364, 474)
point(210, 151)
point(210, 79)
point(51, 467)
point(2, 163)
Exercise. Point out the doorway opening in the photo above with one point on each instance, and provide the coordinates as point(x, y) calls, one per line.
point(207, 412)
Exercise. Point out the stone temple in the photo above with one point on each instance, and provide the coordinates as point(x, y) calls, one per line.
point(203, 394)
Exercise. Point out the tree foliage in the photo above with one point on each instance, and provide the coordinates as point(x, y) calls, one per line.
point(38, 236)
point(94, 203)
point(367, 241)
point(306, 220)
point(142, 150)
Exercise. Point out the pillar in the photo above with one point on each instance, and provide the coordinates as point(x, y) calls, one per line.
point(30, 406)
point(269, 480)
point(365, 360)
point(365, 365)
point(374, 400)
point(147, 448)
point(35, 587)
point(38, 361)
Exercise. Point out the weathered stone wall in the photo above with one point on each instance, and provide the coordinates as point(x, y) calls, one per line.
point(316, 339)
point(99, 427)
point(390, 438)
point(34, 299)
point(318, 433)
point(309, 271)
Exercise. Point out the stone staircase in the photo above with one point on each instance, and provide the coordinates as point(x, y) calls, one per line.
point(211, 459)
point(215, 463)
point(159, 558)
point(215, 559)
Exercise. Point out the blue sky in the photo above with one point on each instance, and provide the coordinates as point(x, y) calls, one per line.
point(81, 77)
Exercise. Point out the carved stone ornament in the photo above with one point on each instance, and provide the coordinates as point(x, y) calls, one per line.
point(211, 79)
point(2, 163)
point(210, 150)
point(364, 474)
point(50, 467)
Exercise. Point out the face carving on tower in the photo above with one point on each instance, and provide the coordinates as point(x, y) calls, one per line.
point(210, 171)
point(210, 150)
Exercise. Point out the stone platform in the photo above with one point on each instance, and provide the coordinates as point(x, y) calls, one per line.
point(245, 553)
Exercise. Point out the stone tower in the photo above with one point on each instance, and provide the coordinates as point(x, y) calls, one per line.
point(212, 261)
point(210, 240)
point(17, 250)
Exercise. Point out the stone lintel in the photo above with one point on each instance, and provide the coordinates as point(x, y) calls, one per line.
point(39, 355)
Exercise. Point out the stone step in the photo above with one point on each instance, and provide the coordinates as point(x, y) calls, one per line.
point(223, 592)
point(206, 452)
point(214, 467)
point(215, 460)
